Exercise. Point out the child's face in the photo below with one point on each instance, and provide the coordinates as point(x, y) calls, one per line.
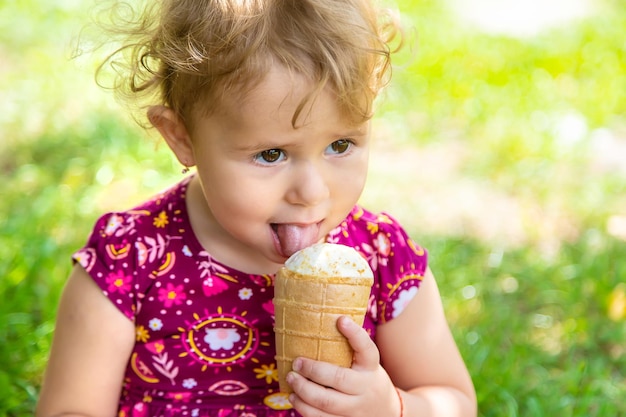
point(271, 189)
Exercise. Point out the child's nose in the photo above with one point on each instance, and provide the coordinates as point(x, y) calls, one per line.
point(309, 184)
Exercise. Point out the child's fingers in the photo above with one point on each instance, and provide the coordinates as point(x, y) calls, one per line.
point(312, 399)
point(325, 374)
point(366, 355)
point(345, 380)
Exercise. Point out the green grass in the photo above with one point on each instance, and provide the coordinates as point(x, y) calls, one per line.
point(535, 333)
point(531, 318)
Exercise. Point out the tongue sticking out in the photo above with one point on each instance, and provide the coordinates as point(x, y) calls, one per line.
point(292, 238)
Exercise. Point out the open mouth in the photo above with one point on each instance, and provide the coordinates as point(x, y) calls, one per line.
point(291, 237)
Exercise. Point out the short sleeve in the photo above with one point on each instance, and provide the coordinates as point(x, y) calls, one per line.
point(397, 261)
point(401, 267)
point(109, 257)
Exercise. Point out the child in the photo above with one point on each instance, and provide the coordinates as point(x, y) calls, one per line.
point(168, 310)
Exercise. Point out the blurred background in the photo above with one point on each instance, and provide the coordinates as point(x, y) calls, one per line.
point(501, 145)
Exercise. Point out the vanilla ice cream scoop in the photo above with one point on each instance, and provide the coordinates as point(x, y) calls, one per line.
point(331, 260)
point(316, 286)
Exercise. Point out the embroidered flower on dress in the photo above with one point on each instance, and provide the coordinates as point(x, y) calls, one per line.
point(377, 255)
point(403, 300)
point(277, 401)
point(372, 227)
point(118, 282)
point(213, 285)
point(221, 338)
point(189, 383)
point(270, 373)
point(383, 244)
point(155, 324)
point(113, 223)
point(142, 334)
point(81, 257)
point(172, 295)
point(245, 293)
point(161, 220)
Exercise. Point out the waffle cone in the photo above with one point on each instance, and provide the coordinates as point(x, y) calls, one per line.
point(306, 311)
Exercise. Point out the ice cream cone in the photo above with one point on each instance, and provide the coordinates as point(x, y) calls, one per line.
point(315, 287)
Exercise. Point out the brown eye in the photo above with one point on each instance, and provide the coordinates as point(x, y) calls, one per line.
point(340, 146)
point(270, 156)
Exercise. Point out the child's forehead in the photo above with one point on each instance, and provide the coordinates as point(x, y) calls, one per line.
point(283, 96)
point(278, 85)
point(278, 89)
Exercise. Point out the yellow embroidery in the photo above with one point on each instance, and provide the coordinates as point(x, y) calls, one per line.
point(161, 220)
point(270, 373)
point(142, 334)
point(372, 227)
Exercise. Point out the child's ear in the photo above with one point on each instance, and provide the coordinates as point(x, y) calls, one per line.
point(174, 131)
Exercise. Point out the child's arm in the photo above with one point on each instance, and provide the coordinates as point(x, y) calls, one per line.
point(91, 346)
point(419, 356)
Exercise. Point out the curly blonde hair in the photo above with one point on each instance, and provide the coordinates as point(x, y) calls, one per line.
point(183, 53)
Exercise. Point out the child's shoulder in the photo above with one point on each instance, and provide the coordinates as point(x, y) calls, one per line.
point(398, 262)
point(361, 215)
point(146, 229)
point(379, 235)
point(369, 224)
point(156, 215)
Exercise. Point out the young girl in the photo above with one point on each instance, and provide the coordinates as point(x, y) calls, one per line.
point(168, 310)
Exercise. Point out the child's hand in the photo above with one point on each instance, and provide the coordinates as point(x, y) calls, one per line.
point(323, 389)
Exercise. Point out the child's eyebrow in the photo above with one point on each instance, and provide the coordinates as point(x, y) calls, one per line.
point(252, 145)
point(356, 132)
point(263, 144)
point(259, 146)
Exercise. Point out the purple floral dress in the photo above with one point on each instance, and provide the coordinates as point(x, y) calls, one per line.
point(204, 339)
